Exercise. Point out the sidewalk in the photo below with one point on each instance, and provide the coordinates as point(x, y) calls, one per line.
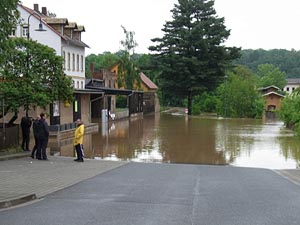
point(25, 179)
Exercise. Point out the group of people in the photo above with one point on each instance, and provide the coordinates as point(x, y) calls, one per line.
point(41, 136)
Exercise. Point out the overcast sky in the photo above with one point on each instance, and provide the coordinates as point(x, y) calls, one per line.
point(254, 24)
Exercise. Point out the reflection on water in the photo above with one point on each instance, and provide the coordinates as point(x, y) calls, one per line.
point(166, 138)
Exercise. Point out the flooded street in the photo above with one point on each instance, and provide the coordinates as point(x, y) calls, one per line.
point(176, 138)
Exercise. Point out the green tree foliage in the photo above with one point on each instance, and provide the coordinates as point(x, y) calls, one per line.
point(238, 96)
point(32, 76)
point(147, 64)
point(8, 20)
point(191, 53)
point(204, 103)
point(269, 74)
point(287, 61)
point(289, 111)
point(101, 61)
point(128, 73)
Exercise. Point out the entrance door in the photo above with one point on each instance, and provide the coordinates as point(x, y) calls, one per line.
point(77, 107)
point(54, 113)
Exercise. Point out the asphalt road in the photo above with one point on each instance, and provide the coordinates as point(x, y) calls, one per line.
point(168, 194)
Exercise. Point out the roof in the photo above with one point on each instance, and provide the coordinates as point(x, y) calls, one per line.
point(72, 25)
point(80, 28)
point(112, 91)
point(51, 20)
point(148, 82)
point(293, 81)
point(75, 42)
point(274, 93)
point(88, 91)
point(266, 88)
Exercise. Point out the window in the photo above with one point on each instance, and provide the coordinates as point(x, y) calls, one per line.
point(77, 86)
point(13, 33)
point(77, 63)
point(73, 60)
point(24, 31)
point(81, 63)
point(64, 56)
point(73, 83)
point(81, 84)
point(69, 61)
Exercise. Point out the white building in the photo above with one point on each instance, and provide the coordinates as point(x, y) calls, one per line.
point(65, 38)
point(292, 84)
point(61, 35)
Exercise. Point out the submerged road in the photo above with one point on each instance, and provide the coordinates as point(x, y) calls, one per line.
point(168, 194)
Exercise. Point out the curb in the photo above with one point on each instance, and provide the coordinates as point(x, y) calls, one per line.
point(15, 156)
point(17, 201)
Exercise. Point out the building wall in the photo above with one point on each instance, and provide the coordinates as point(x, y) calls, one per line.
point(273, 99)
point(48, 37)
point(85, 108)
point(66, 113)
point(74, 63)
point(289, 88)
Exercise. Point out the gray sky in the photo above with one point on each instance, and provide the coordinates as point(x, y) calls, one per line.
point(266, 24)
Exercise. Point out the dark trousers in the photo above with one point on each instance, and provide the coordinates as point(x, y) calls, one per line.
point(25, 141)
point(36, 144)
point(79, 151)
point(41, 149)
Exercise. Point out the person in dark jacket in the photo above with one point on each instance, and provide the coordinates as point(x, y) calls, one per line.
point(43, 136)
point(35, 134)
point(25, 125)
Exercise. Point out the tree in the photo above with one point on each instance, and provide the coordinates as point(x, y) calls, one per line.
point(289, 111)
point(238, 96)
point(101, 61)
point(32, 76)
point(191, 55)
point(287, 61)
point(8, 20)
point(269, 75)
point(128, 74)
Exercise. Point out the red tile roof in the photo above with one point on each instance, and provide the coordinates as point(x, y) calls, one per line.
point(149, 84)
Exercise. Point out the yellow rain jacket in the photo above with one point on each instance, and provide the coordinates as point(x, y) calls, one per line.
point(79, 132)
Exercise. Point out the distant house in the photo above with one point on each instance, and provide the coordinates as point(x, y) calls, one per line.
point(150, 98)
point(292, 84)
point(272, 100)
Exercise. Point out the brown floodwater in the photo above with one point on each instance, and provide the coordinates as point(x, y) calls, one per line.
point(178, 138)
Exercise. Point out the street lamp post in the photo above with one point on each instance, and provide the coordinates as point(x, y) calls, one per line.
point(225, 113)
point(3, 119)
point(40, 24)
point(28, 38)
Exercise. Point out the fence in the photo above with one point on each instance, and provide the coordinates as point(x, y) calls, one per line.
point(9, 136)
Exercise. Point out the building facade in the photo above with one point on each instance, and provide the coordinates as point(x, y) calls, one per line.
point(65, 38)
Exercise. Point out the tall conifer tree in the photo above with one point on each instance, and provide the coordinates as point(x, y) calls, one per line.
point(191, 52)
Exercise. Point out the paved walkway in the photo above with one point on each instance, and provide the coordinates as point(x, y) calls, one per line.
point(23, 179)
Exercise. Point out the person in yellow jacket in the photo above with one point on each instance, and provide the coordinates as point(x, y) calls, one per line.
point(78, 140)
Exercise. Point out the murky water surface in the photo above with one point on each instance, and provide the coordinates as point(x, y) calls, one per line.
point(175, 138)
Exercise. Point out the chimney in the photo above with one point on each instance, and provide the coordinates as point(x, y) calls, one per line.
point(44, 11)
point(36, 7)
